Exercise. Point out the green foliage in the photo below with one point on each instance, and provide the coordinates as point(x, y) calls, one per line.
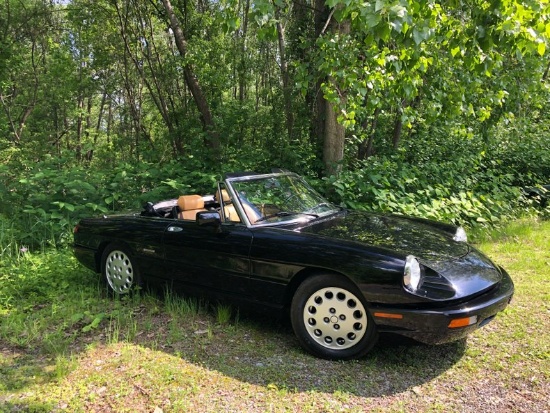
point(421, 63)
point(45, 199)
point(97, 116)
point(47, 302)
point(467, 191)
point(182, 307)
point(9, 246)
point(33, 278)
point(523, 149)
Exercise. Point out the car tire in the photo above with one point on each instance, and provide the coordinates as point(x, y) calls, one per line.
point(119, 269)
point(330, 318)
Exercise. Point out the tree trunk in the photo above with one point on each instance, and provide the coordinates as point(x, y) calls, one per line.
point(100, 115)
point(334, 133)
point(79, 127)
point(366, 149)
point(212, 141)
point(318, 123)
point(327, 132)
point(155, 92)
point(287, 93)
point(243, 34)
point(17, 123)
point(397, 129)
point(398, 124)
point(333, 146)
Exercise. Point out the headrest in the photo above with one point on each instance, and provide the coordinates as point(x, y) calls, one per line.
point(188, 202)
point(225, 196)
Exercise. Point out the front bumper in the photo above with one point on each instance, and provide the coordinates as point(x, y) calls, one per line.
point(431, 326)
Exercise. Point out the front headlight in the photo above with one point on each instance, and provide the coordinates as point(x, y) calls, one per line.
point(460, 235)
point(412, 274)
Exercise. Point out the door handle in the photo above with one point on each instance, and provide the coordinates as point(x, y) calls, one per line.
point(175, 229)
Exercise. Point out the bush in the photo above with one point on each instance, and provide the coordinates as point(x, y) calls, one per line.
point(44, 200)
point(468, 191)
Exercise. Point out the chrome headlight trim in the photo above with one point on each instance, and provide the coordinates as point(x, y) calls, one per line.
point(412, 274)
point(460, 235)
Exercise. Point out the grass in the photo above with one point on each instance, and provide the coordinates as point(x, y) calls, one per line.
point(65, 345)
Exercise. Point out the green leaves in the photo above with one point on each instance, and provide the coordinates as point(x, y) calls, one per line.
point(464, 190)
point(64, 205)
point(112, 124)
point(453, 60)
point(94, 323)
point(541, 48)
point(49, 200)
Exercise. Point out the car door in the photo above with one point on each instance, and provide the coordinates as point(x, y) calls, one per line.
point(144, 236)
point(275, 257)
point(212, 260)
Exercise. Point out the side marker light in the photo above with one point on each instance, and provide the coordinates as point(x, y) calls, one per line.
point(389, 315)
point(463, 322)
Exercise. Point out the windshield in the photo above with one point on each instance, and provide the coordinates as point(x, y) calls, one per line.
point(276, 198)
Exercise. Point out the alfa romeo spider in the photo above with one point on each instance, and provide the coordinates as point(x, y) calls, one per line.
point(342, 276)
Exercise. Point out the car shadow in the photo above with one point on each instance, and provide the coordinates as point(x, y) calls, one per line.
point(261, 349)
point(265, 352)
point(252, 348)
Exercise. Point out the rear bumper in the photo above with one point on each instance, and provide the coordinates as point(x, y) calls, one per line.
point(86, 256)
point(431, 326)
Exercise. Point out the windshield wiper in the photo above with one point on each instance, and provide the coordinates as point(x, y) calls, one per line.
point(285, 214)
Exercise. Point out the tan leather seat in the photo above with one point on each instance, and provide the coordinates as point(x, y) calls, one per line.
point(189, 206)
point(228, 208)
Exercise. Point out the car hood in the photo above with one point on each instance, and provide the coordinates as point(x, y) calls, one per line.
point(468, 270)
point(398, 234)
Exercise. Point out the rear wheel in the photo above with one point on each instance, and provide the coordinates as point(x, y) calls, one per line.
point(330, 318)
point(119, 270)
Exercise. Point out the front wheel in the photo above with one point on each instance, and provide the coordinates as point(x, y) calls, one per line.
point(118, 269)
point(330, 320)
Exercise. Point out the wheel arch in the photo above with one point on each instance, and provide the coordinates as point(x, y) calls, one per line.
point(103, 246)
point(304, 274)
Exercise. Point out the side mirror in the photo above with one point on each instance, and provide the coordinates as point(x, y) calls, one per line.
point(208, 219)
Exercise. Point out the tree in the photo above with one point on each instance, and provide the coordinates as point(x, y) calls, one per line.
point(409, 58)
point(24, 47)
point(270, 81)
point(192, 81)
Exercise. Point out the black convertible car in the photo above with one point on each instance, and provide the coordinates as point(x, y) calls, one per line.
point(270, 239)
